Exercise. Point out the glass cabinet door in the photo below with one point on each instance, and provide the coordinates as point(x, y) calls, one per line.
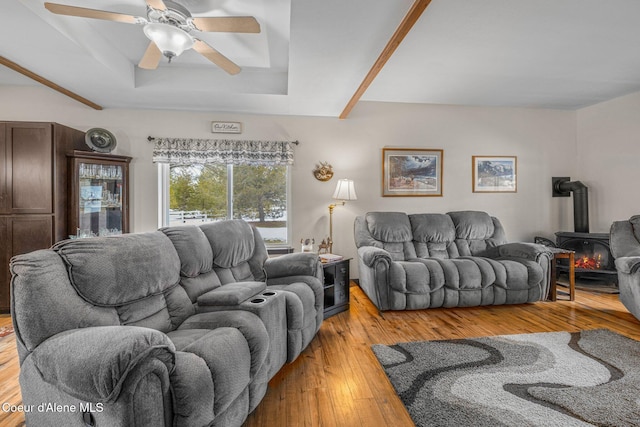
point(100, 205)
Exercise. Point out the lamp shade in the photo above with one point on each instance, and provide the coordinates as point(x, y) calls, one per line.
point(171, 40)
point(345, 190)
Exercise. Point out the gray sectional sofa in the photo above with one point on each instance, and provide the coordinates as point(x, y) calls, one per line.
point(179, 327)
point(624, 239)
point(458, 259)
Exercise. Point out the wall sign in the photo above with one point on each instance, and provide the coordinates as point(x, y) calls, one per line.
point(226, 127)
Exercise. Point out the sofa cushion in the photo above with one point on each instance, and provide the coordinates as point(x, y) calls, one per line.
point(232, 242)
point(433, 235)
point(635, 223)
point(44, 303)
point(227, 355)
point(389, 227)
point(437, 228)
point(193, 249)
point(472, 225)
point(163, 312)
point(117, 270)
point(196, 286)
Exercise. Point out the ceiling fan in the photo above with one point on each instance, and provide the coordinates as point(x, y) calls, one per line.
point(169, 25)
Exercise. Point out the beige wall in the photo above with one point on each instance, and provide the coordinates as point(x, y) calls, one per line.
point(609, 159)
point(543, 140)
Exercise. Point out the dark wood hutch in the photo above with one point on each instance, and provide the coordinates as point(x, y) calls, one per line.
point(33, 190)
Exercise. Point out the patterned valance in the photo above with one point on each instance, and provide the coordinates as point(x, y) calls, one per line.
point(180, 151)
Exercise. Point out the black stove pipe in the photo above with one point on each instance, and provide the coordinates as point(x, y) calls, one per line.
point(563, 187)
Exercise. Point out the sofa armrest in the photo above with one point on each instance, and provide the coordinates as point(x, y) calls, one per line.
point(93, 363)
point(298, 264)
point(522, 250)
point(628, 264)
point(371, 255)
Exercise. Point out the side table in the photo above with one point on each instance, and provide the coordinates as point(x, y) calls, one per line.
point(336, 287)
point(562, 254)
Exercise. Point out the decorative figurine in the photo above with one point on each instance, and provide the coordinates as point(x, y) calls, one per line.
point(324, 247)
point(307, 244)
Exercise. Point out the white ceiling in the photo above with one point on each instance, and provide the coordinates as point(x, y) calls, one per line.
point(312, 55)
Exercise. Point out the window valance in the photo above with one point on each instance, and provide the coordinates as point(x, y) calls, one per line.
point(182, 151)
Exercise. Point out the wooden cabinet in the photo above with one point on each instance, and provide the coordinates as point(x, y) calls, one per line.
point(33, 190)
point(98, 194)
point(29, 169)
point(336, 287)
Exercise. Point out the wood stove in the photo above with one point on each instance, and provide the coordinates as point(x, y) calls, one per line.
point(593, 258)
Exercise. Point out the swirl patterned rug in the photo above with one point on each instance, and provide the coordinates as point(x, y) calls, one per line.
point(543, 379)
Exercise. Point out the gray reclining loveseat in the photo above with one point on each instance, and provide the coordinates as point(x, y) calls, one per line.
point(179, 327)
point(458, 259)
point(624, 238)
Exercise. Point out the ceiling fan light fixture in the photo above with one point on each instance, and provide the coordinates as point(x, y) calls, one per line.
point(171, 40)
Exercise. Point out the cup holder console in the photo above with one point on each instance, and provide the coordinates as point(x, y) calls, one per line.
point(269, 305)
point(263, 297)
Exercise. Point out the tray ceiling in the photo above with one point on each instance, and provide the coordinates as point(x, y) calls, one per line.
point(311, 56)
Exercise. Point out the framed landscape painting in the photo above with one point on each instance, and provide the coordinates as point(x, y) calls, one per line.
point(411, 172)
point(494, 174)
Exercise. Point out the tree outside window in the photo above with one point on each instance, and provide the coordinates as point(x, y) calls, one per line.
point(258, 195)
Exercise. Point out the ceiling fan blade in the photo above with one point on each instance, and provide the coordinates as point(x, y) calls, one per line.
point(61, 9)
point(151, 58)
point(156, 4)
point(216, 57)
point(228, 24)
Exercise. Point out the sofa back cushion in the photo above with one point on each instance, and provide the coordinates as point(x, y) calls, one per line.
point(476, 231)
point(434, 236)
point(624, 237)
point(390, 231)
point(196, 260)
point(44, 303)
point(635, 224)
point(193, 249)
point(238, 251)
point(135, 274)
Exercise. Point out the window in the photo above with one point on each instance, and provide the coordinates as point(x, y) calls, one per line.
point(193, 194)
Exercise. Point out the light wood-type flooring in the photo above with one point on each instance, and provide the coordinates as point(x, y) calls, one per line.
point(337, 381)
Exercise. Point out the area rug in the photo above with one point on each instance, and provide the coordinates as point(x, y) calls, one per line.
point(542, 379)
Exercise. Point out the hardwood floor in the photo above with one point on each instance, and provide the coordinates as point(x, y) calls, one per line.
point(337, 380)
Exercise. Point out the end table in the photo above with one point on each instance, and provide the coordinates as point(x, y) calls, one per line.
point(336, 287)
point(562, 254)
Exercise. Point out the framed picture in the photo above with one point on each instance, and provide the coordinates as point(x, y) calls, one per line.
point(494, 174)
point(411, 172)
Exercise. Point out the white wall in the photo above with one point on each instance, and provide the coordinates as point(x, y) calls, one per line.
point(609, 159)
point(543, 140)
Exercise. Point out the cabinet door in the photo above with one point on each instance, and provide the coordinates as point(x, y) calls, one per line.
point(329, 288)
point(22, 234)
point(5, 251)
point(29, 168)
point(29, 233)
point(98, 198)
point(342, 283)
point(4, 168)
